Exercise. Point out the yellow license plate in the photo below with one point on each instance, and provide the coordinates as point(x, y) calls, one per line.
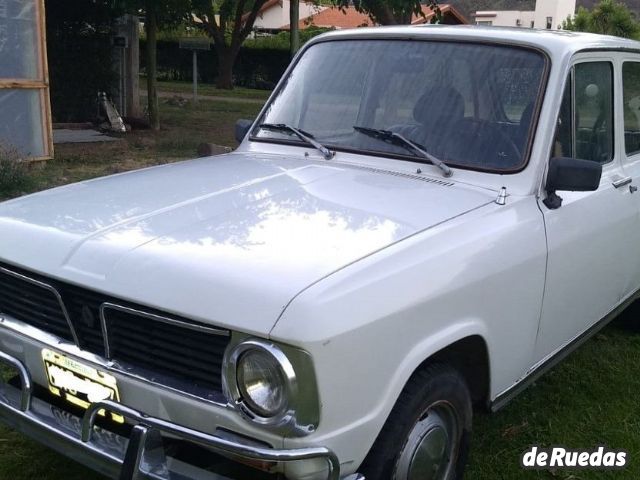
point(78, 383)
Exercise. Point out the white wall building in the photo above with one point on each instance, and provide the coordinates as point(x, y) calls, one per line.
point(505, 18)
point(549, 15)
point(274, 15)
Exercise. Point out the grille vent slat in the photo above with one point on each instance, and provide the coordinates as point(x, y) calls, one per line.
point(164, 351)
point(392, 173)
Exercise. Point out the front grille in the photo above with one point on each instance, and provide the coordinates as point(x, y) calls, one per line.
point(178, 352)
point(32, 302)
point(151, 343)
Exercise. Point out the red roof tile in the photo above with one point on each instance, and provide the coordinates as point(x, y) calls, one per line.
point(334, 17)
point(339, 18)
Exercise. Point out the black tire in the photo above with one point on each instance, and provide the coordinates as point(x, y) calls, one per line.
point(432, 384)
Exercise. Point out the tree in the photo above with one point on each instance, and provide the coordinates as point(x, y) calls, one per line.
point(392, 12)
point(608, 17)
point(158, 14)
point(228, 23)
point(151, 27)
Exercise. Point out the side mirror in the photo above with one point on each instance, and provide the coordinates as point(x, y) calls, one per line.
point(242, 129)
point(573, 175)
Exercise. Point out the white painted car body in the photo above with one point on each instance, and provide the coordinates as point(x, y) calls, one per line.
point(337, 257)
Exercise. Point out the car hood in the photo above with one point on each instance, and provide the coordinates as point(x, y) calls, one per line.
point(228, 240)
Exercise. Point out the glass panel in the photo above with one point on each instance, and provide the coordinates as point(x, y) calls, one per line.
point(518, 86)
point(19, 45)
point(631, 83)
point(594, 111)
point(471, 105)
point(563, 145)
point(21, 121)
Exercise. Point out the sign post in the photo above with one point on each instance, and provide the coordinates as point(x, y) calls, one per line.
point(195, 76)
point(194, 44)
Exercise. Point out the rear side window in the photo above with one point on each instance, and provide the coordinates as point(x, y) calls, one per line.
point(631, 99)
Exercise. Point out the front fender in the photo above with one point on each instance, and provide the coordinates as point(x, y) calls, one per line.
point(370, 325)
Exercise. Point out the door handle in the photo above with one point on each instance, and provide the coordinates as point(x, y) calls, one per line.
point(621, 182)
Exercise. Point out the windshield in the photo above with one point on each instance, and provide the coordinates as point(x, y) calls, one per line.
point(470, 105)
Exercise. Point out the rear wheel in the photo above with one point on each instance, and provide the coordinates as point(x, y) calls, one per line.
point(426, 436)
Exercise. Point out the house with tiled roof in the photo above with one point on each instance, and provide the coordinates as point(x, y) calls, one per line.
point(342, 18)
point(274, 14)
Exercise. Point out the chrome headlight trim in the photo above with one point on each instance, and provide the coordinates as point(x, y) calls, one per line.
point(300, 414)
point(234, 391)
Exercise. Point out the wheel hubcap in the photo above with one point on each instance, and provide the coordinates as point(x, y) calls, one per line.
point(431, 448)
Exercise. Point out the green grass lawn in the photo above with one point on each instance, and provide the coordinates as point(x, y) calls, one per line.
point(183, 129)
point(186, 88)
point(588, 400)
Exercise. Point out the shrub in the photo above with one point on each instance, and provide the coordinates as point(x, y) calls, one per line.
point(281, 40)
point(14, 174)
point(260, 63)
point(254, 68)
point(608, 17)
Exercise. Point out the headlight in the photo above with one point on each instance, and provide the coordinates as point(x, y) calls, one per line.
point(261, 383)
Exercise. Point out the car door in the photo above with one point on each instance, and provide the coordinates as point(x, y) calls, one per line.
point(629, 101)
point(593, 237)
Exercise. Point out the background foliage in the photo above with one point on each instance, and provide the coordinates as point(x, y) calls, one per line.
point(608, 17)
point(260, 63)
point(255, 67)
point(391, 12)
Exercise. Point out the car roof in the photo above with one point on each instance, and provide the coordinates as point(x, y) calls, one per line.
point(557, 43)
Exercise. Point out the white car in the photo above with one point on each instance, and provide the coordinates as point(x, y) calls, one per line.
point(421, 219)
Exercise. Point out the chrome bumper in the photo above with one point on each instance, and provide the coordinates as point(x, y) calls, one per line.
point(141, 456)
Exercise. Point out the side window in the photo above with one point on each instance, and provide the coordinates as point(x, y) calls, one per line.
point(631, 99)
point(585, 123)
point(593, 116)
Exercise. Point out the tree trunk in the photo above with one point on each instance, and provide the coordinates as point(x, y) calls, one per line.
point(151, 26)
point(294, 20)
point(383, 15)
point(404, 18)
point(226, 60)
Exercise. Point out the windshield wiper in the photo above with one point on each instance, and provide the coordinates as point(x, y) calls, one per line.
point(301, 134)
point(401, 141)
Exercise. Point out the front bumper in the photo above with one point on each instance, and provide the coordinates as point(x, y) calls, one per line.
point(141, 455)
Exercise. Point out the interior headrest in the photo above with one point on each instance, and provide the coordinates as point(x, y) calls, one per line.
point(437, 103)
